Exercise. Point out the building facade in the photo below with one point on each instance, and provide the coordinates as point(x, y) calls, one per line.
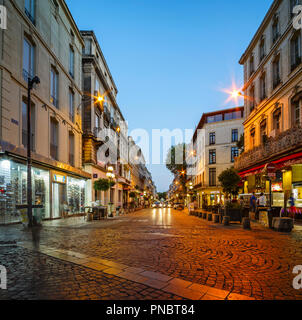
point(105, 139)
point(41, 40)
point(273, 98)
point(213, 150)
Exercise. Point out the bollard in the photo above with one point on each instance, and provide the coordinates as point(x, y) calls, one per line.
point(226, 220)
point(210, 216)
point(246, 223)
point(216, 218)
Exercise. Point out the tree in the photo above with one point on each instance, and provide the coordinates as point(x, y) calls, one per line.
point(240, 144)
point(230, 180)
point(176, 158)
point(176, 163)
point(162, 195)
point(103, 184)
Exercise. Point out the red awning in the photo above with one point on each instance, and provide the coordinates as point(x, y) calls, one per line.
point(280, 163)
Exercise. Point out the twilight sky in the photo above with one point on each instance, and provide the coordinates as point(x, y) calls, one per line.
point(170, 59)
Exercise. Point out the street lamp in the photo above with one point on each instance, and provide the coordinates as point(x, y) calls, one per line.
point(111, 177)
point(30, 86)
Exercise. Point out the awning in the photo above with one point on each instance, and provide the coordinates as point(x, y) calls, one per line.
point(280, 163)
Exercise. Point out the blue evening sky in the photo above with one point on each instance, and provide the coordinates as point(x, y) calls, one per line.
point(170, 59)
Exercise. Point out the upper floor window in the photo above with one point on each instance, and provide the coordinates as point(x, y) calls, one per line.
point(71, 61)
point(212, 138)
point(252, 65)
point(275, 29)
point(233, 115)
point(54, 139)
point(277, 121)
point(88, 45)
point(212, 156)
point(252, 138)
point(262, 48)
point(212, 177)
point(28, 59)
point(262, 87)
point(295, 50)
point(71, 148)
point(216, 118)
point(24, 125)
point(71, 105)
point(276, 72)
point(251, 98)
point(234, 153)
point(235, 135)
point(296, 109)
point(30, 10)
point(263, 130)
point(54, 80)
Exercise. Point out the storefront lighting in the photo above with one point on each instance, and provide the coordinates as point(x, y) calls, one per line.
point(5, 164)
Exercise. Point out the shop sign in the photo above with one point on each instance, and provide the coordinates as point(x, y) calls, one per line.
point(271, 175)
point(59, 178)
point(276, 187)
point(271, 168)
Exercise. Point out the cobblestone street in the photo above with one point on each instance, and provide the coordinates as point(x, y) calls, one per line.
point(256, 263)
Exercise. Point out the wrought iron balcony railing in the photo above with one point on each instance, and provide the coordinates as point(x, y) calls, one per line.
point(283, 142)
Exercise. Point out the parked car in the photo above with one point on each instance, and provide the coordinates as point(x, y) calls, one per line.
point(156, 205)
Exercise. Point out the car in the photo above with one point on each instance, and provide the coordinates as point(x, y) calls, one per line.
point(178, 206)
point(156, 205)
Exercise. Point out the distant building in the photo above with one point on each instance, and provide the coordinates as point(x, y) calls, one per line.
point(214, 149)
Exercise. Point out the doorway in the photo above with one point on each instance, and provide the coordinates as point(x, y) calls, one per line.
point(58, 199)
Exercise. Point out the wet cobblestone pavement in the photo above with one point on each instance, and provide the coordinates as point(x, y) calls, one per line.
point(256, 263)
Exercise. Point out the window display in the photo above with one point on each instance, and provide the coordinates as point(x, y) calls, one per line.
point(13, 191)
point(76, 195)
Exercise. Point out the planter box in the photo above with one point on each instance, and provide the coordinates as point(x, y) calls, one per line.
point(234, 214)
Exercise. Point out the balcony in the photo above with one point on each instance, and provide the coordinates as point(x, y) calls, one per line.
point(273, 146)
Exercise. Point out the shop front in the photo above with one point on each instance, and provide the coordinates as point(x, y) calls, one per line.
point(51, 189)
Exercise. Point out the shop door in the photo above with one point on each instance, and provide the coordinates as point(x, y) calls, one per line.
point(58, 199)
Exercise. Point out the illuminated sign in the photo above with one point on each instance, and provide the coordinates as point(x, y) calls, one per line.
point(277, 187)
point(59, 178)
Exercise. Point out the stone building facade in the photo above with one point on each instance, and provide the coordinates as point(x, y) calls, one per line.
point(273, 98)
point(213, 149)
point(41, 40)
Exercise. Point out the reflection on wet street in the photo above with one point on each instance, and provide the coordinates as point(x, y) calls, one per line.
point(162, 217)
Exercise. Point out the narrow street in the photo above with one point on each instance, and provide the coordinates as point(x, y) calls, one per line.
point(145, 255)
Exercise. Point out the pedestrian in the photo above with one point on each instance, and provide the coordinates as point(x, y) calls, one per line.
point(293, 208)
point(253, 200)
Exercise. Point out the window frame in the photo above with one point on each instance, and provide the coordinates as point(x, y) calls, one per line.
point(212, 156)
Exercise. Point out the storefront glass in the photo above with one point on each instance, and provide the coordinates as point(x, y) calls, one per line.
point(13, 190)
point(76, 195)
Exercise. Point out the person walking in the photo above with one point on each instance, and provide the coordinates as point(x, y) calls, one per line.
point(253, 200)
